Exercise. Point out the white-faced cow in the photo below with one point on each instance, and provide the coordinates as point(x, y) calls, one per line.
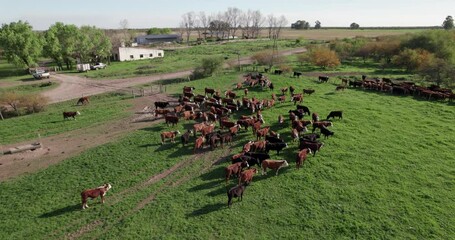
point(94, 193)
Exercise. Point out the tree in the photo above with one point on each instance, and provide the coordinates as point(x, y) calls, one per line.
point(317, 25)
point(204, 22)
point(208, 67)
point(301, 24)
point(21, 46)
point(233, 19)
point(354, 26)
point(62, 42)
point(412, 59)
point(268, 58)
point(438, 71)
point(156, 31)
point(12, 99)
point(448, 23)
point(324, 57)
point(99, 46)
point(127, 36)
point(188, 20)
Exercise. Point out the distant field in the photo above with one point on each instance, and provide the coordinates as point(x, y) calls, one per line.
point(331, 34)
point(388, 173)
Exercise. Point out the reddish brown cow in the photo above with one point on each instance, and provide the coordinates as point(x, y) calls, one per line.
point(199, 143)
point(227, 124)
point(247, 176)
point(230, 94)
point(322, 124)
point(198, 127)
point(315, 117)
point(258, 146)
point(282, 98)
point(83, 100)
point(67, 115)
point(262, 132)
point(161, 112)
point(207, 129)
point(239, 85)
point(170, 135)
point(284, 90)
point(178, 108)
point(274, 96)
point(234, 169)
point(301, 157)
point(94, 193)
point(273, 164)
point(209, 90)
point(297, 98)
point(247, 146)
point(256, 126)
point(171, 119)
point(187, 115)
point(234, 130)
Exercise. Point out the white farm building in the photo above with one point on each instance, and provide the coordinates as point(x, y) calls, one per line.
point(132, 53)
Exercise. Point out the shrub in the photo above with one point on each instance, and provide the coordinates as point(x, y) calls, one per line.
point(34, 103)
point(208, 66)
point(324, 57)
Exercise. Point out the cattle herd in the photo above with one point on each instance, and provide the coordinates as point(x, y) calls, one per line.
point(214, 127)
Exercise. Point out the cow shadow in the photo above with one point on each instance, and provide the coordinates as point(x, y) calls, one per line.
point(181, 151)
point(206, 209)
point(156, 128)
point(61, 211)
point(216, 173)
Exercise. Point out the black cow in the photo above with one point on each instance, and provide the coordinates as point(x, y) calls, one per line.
point(308, 91)
point(275, 146)
point(314, 146)
point(259, 156)
point(326, 132)
point(271, 87)
point(323, 78)
point(312, 137)
point(67, 115)
point(334, 114)
point(297, 74)
point(250, 160)
point(237, 192)
point(272, 139)
point(161, 104)
point(172, 119)
point(278, 72)
point(186, 137)
point(299, 113)
point(305, 109)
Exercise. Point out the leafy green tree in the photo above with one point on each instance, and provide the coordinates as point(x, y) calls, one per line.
point(317, 25)
point(448, 23)
point(412, 59)
point(99, 45)
point(21, 46)
point(62, 43)
point(301, 24)
point(208, 67)
point(438, 71)
point(354, 26)
point(439, 42)
point(156, 31)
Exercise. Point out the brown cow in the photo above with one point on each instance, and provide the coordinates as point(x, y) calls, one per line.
point(161, 112)
point(83, 100)
point(67, 115)
point(187, 115)
point(284, 90)
point(301, 157)
point(258, 146)
point(273, 164)
point(282, 98)
point(186, 137)
point(256, 126)
point(297, 98)
point(247, 146)
point(226, 123)
point(237, 192)
point(171, 119)
point(209, 90)
point(94, 193)
point(234, 130)
point(315, 117)
point(321, 124)
point(170, 135)
point(247, 176)
point(246, 91)
point(207, 129)
point(234, 169)
point(262, 132)
point(199, 143)
point(295, 134)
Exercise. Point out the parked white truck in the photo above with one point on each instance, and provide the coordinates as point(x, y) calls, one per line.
point(40, 74)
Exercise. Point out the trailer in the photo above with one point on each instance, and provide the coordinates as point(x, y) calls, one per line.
point(83, 67)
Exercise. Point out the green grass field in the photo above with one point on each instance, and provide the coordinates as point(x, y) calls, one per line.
point(388, 173)
point(50, 121)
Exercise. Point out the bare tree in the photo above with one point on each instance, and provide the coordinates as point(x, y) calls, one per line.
point(188, 23)
point(245, 22)
point(233, 16)
point(126, 34)
point(204, 22)
point(257, 20)
point(272, 22)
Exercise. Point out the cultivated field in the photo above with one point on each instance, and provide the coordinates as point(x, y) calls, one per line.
point(387, 173)
point(331, 34)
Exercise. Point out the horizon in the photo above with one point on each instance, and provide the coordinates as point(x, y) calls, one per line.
point(145, 14)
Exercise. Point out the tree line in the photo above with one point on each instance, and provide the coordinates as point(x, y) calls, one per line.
point(231, 23)
point(63, 43)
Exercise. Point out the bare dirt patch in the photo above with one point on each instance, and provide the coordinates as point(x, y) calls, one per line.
point(62, 146)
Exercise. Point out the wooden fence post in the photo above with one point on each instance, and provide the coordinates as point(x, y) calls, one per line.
point(1, 115)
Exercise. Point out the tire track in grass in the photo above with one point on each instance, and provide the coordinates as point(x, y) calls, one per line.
point(175, 180)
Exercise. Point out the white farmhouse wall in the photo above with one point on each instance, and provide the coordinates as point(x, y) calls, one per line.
point(131, 54)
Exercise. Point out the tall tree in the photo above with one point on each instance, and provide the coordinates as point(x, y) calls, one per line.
point(188, 23)
point(204, 22)
point(317, 25)
point(99, 46)
point(127, 36)
point(233, 18)
point(21, 46)
point(62, 43)
point(448, 23)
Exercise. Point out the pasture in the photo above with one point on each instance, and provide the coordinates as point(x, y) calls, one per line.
point(388, 172)
point(50, 121)
point(327, 34)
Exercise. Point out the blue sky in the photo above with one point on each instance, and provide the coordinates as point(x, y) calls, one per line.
point(168, 13)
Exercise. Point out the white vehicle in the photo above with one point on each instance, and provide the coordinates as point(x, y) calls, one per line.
point(39, 74)
point(98, 66)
